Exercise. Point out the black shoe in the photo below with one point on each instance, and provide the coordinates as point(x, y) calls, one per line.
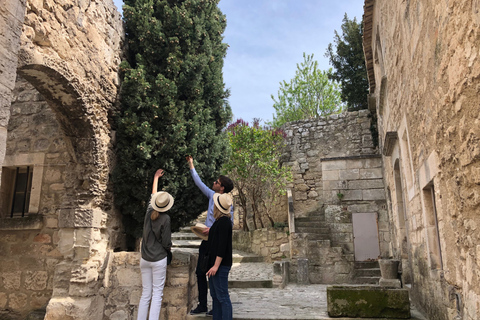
point(210, 313)
point(199, 309)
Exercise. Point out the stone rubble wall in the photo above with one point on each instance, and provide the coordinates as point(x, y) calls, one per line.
point(272, 244)
point(426, 78)
point(309, 141)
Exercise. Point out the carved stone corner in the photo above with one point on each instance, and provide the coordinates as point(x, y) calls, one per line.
point(391, 138)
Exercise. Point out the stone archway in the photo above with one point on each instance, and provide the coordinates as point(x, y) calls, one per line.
point(82, 238)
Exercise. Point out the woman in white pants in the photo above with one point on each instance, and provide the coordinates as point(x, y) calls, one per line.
point(156, 242)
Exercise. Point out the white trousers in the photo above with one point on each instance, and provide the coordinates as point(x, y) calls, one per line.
point(153, 281)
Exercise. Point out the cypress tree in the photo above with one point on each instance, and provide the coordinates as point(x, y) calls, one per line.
point(173, 104)
point(348, 60)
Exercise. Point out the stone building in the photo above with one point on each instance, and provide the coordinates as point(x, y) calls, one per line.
point(340, 217)
point(424, 73)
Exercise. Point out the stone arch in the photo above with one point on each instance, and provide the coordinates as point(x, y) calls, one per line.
point(83, 141)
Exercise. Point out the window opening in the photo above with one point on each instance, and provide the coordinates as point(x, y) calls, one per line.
point(21, 191)
point(433, 236)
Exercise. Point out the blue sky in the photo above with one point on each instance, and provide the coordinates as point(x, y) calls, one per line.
point(267, 38)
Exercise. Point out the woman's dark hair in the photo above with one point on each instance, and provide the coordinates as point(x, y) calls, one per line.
point(227, 183)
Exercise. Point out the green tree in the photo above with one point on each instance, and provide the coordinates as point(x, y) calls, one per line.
point(309, 94)
point(255, 167)
point(347, 58)
point(173, 104)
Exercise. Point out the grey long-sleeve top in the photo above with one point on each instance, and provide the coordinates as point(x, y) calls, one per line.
point(153, 250)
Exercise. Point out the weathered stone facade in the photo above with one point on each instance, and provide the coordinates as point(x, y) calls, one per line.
point(58, 88)
point(424, 73)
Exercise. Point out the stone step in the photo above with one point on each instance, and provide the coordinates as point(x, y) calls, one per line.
point(247, 259)
point(367, 265)
point(309, 224)
point(186, 243)
point(316, 218)
point(367, 272)
point(321, 230)
point(319, 243)
point(184, 236)
point(316, 236)
point(366, 280)
point(244, 284)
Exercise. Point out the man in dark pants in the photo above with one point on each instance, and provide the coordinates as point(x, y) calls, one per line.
point(222, 185)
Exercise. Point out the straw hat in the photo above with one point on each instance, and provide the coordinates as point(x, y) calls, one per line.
point(161, 201)
point(223, 202)
point(198, 230)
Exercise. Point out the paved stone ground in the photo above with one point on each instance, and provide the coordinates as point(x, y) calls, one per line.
point(297, 302)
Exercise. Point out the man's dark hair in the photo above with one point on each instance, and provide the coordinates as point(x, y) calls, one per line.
point(227, 183)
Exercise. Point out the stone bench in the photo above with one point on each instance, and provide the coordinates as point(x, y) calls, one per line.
point(368, 302)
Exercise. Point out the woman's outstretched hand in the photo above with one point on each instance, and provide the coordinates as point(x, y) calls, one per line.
point(159, 173)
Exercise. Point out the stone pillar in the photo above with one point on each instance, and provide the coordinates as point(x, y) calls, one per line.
point(302, 271)
point(389, 271)
point(281, 273)
point(12, 14)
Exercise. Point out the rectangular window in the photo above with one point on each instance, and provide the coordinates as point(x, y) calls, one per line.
point(16, 191)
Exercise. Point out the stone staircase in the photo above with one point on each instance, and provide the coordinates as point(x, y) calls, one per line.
point(249, 271)
point(330, 260)
point(366, 272)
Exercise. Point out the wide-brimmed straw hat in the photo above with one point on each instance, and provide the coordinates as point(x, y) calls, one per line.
point(198, 230)
point(161, 201)
point(223, 202)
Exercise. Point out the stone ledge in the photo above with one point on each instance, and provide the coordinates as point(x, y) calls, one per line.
point(368, 302)
point(30, 222)
point(363, 156)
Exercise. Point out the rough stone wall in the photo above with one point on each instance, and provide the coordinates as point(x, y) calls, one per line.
point(308, 141)
point(425, 79)
point(30, 256)
point(272, 244)
point(11, 22)
point(122, 286)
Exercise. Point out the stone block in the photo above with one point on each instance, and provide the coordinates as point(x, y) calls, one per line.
point(349, 195)
point(365, 184)
point(11, 280)
point(390, 283)
point(3, 300)
point(375, 173)
point(349, 174)
point(334, 165)
point(331, 175)
point(129, 277)
point(368, 302)
point(302, 271)
point(355, 164)
point(17, 301)
point(36, 280)
point(334, 185)
point(373, 194)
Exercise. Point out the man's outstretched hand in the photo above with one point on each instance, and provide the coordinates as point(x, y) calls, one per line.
point(190, 161)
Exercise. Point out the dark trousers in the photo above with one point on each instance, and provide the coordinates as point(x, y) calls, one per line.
point(222, 306)
point(201, 275)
